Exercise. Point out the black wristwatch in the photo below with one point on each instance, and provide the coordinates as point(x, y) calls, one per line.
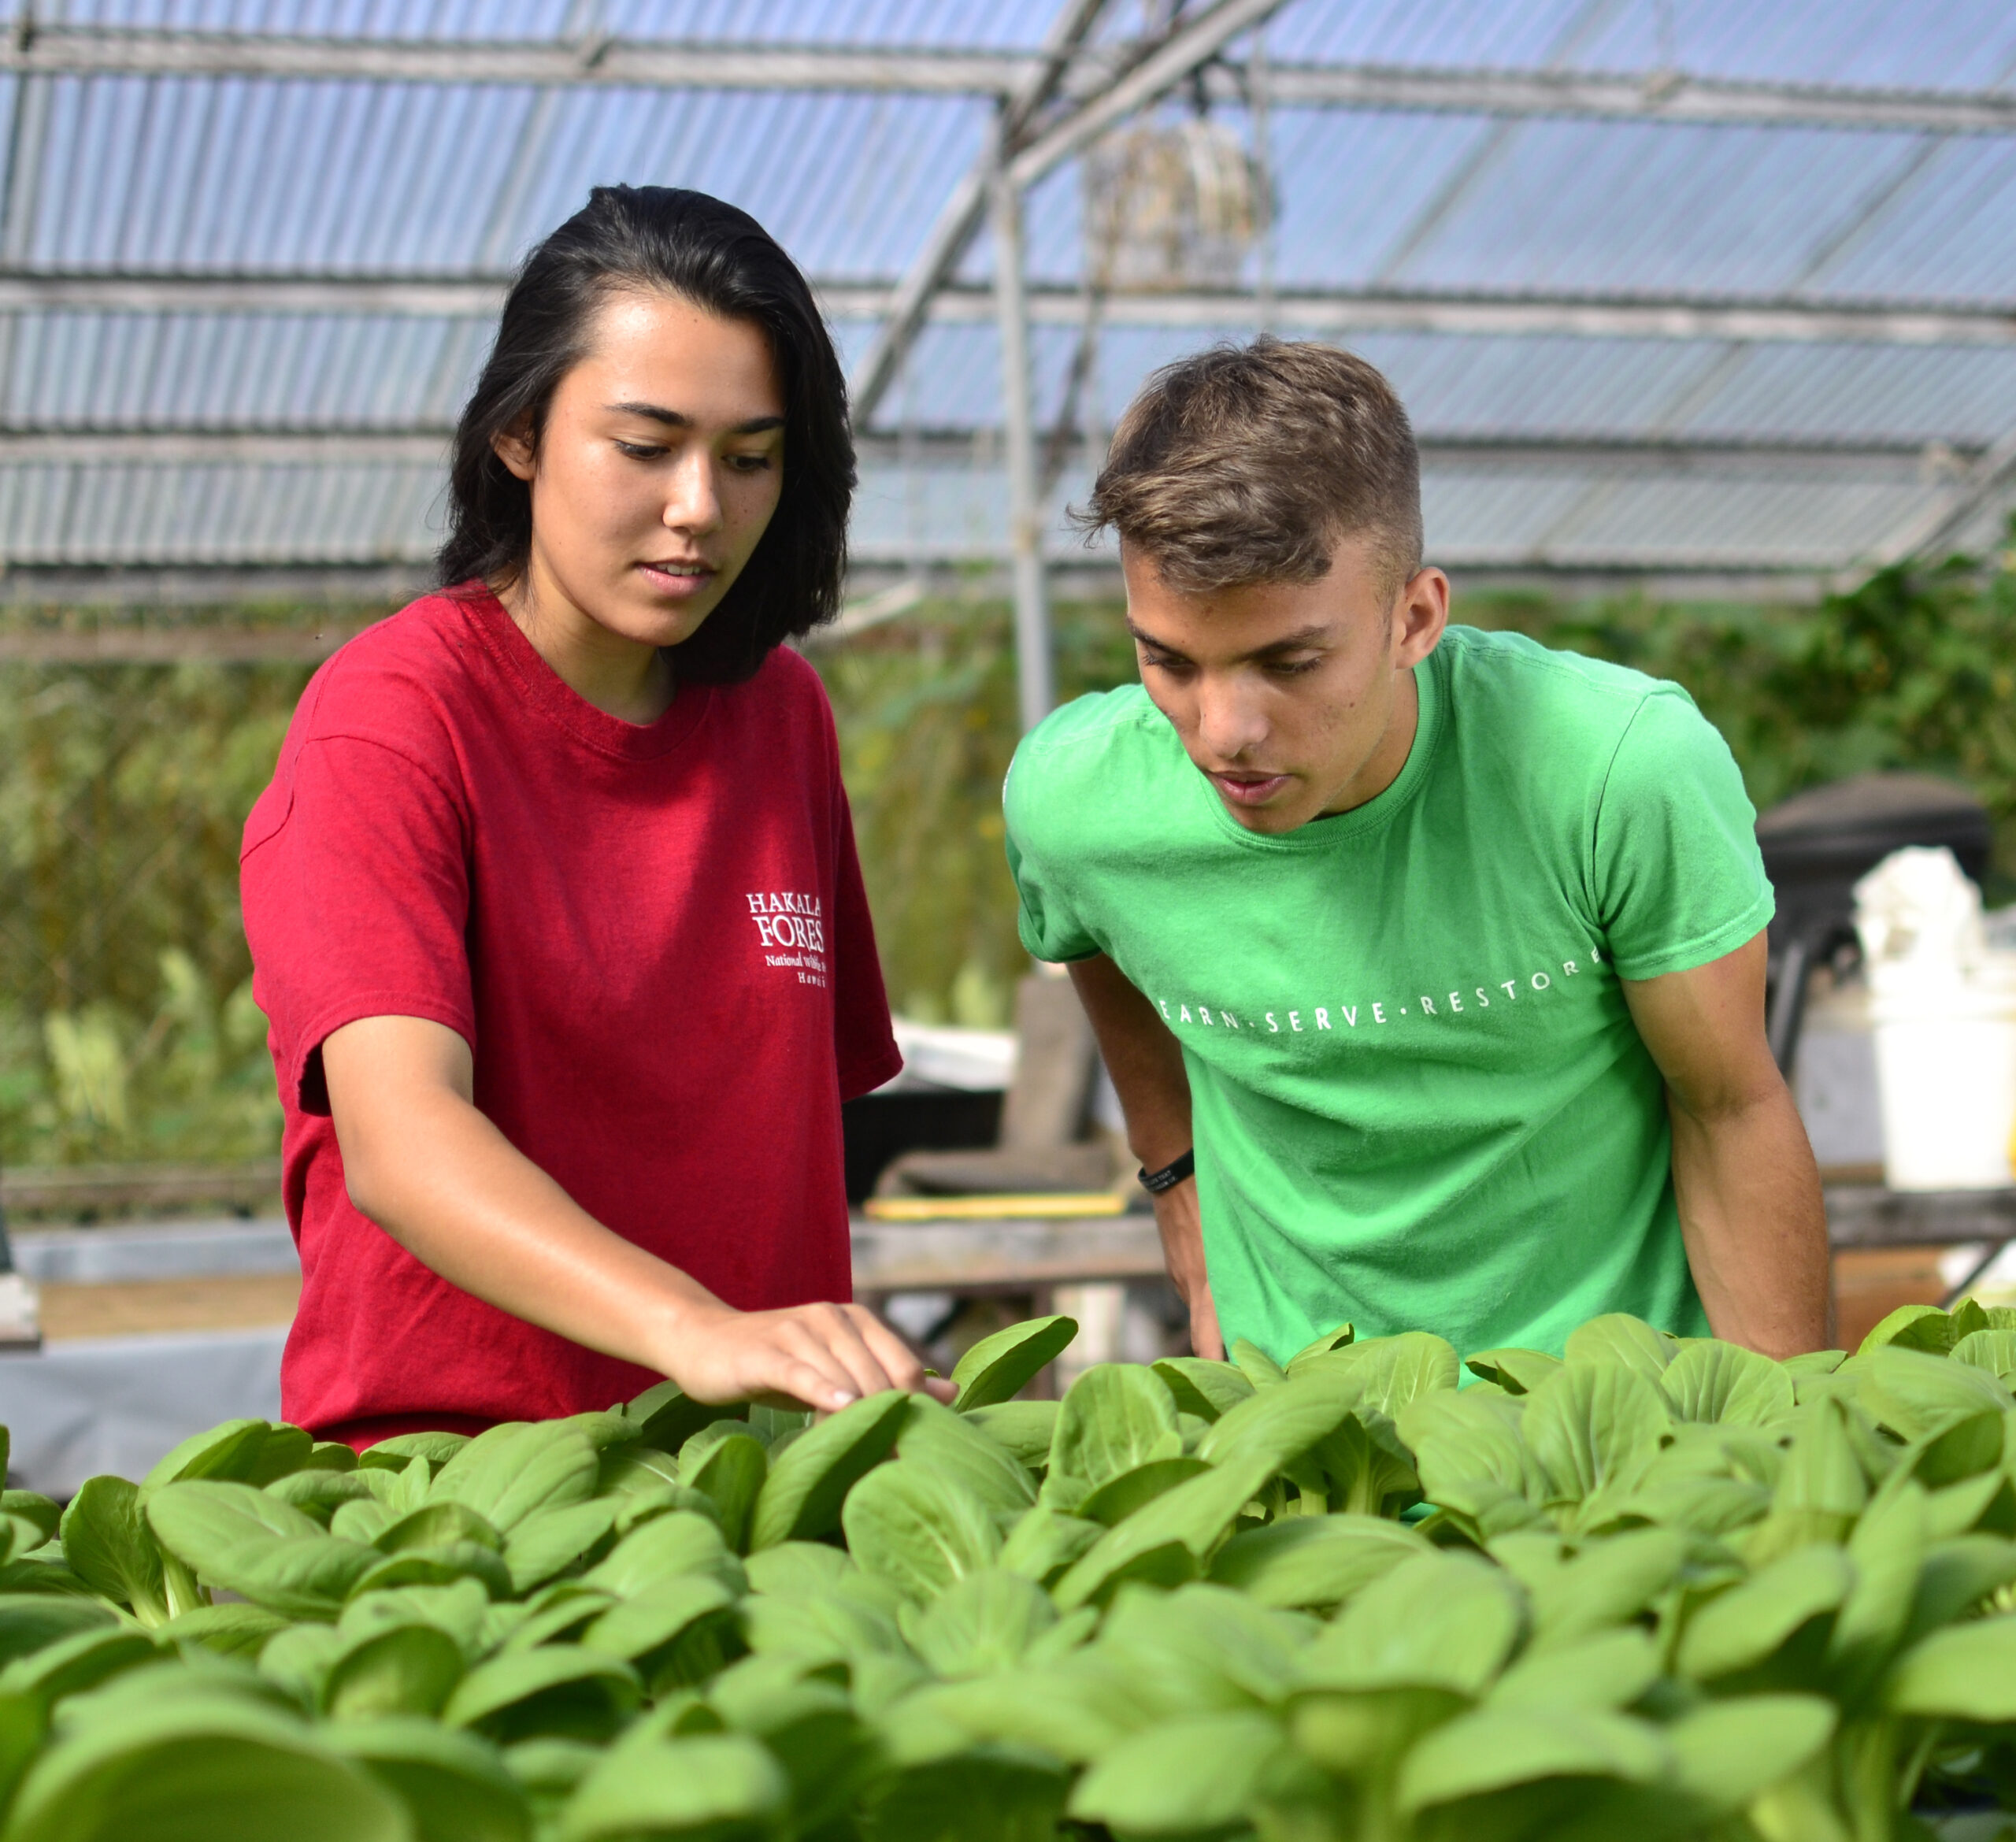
point(1155, 1182)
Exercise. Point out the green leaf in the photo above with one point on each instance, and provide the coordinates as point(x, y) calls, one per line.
point(1116, 1416)
point(570, 1693)
point(722, 1787)
point(109, 1546)
point(74, 1664)
point(1279, 1423)
point(980, 1794)
point(437, 1524)
point(1495, 1748)
point(32, 1506)
point(1118, 1497)
point(1727, 1753)
point(1920, 1396)
point(1912, 1327)
point(453, 1785)
point(1516, 1371)
point(919, 1527)
point(550, 1540)
point(397, 1453)
point(1025, 1429)
point(254, 1545)
point(1202, 1387)
point(1202, 1776)
point(449, 1566)
point(1314, 1562)
point(1443, 1620)
point(1992, 1350)
point(1724, 1382)
point(1200, 1647)
point(731, 1477)
point(999, 1367)
point(229, 1630)
point(562, 1619)
point(1594, 1425)
point(230, 1452)
point(681, 1542)
point(200, 1766)
point(513, 1471)
point(659, 1615)
point(318, 1493)
point(1628, 1341)
point(1608, 1670)
point(1471, 1459)
point(801, 1499)
point(1609, 1582)
point(1253, 1363)
point(1171, 1538)
point(1964, 1672)
point(29, 1621)
point(982, 1622)
point(666, 1416)
point(408, 1670)
point(1956, 1577)
point(1044, 1542)
point(951, 1444)
point(1748, 1624)
point(1340, 1339)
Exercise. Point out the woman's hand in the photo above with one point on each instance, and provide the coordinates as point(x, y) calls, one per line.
point(819, 1356)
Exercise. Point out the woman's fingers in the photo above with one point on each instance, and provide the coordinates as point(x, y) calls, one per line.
point(823, 1356)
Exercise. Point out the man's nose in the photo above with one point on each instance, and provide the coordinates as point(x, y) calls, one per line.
point(1230, 722)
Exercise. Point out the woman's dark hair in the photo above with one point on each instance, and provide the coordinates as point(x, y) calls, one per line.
point(685, 243)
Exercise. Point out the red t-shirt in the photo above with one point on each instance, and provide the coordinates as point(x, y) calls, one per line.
point(652, 937)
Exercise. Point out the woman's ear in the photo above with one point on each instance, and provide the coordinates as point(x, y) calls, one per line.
point(515, 448)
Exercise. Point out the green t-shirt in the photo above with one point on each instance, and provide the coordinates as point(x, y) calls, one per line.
point(1419, 1100)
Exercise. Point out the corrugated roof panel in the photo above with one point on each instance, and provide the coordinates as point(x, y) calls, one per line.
point(1639, 207)
point(1704, 522)
point(1951, 236)
point(1859, 392)
point(1931, 44)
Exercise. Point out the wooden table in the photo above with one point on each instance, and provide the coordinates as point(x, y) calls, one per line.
point(989, 1258)
point(1867, 1215)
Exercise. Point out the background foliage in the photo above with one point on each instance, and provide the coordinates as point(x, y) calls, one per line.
point(127, 1027)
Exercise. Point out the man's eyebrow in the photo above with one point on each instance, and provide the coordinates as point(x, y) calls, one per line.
point(1288, 642)
point(679, 419)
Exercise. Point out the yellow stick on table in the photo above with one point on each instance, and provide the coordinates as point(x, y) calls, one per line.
point(992, 1208)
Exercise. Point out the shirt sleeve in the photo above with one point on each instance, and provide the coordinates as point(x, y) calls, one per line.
point(1677, 876)
point(361, 905)
point(1050, 929)
point(864, 1044)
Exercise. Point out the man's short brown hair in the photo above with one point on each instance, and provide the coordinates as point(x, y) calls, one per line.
point(1251, 463)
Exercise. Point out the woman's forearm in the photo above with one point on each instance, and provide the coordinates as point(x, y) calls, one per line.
point(421, 1161)
point(439, 1177)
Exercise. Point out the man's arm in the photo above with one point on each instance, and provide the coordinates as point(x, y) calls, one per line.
point(423, 1163)
point(1748, 1191)
point(1146, 1063)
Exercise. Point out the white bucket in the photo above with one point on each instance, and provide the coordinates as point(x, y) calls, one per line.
point(1946, 1073)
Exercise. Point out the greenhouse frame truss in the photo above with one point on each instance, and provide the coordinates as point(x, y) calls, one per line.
point(1708, 298)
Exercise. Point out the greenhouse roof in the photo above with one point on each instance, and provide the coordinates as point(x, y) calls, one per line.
point(1686, 287)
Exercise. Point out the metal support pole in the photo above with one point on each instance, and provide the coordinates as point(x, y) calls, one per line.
point(1035, 678)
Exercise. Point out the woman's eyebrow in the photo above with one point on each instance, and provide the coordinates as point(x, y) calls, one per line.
point(679, 419)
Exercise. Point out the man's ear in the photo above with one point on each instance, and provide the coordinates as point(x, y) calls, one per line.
point(514, 446)
point(1419, 616)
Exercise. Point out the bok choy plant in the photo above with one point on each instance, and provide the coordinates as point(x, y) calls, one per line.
point(1655, 1588)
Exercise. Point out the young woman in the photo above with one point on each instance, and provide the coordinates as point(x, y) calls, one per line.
point(553, 901)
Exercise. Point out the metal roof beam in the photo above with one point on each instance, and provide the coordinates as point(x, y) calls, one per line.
point(1896, 462)
point(1192, 42)
point(1335, 315)
point(600, 60)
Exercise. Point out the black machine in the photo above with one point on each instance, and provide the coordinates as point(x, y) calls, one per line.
point(1817, 846)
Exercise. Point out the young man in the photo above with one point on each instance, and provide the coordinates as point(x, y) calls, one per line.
point(1444, 952)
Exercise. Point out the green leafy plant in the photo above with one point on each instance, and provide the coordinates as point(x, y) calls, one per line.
point(1654, 1587)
